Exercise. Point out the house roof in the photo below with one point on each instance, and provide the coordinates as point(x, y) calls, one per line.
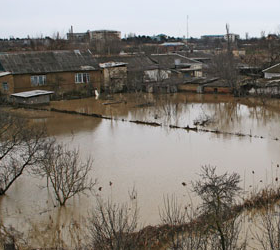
point(48, 61)
point(218, 83)
point(106, 31)
point(28, 94)
point(111, 64)
point(172, 61)
point(5, 73)
point(173, 44)
point(134, 62)
point(273, 69)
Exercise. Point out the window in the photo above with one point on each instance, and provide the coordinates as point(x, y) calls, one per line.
point(82, 78)
point(5, 86)
point(38, 80)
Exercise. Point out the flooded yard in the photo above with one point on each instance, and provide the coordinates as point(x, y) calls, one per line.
point(152, 160)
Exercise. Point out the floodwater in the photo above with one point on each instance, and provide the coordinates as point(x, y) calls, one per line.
point(154, 161)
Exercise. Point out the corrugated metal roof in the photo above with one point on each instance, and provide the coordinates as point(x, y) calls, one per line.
point(32, 93)
point(48, 61)
point(111, 64)
point(5, 73)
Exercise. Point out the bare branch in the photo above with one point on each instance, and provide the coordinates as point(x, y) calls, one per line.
point(65, 170)
point(20, 146)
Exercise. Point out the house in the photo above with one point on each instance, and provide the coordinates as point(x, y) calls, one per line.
point(33, 97)
point(266, 87)
point(272, 37)
point(272, 72)
point(178, 63)
point(114, 76)
point(146, 74)
point(58, 71)
point(138, 68)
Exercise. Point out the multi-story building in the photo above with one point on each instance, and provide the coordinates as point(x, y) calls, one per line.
point(105, 35)
point(232, 37)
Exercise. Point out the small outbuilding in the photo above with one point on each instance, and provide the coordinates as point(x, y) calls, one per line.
point(33, 97)
point(114, 76)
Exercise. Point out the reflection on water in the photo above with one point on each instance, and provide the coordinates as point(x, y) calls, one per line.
point(154, 160)
point(245, 115)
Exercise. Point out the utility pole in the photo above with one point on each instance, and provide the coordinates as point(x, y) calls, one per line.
point(187, 28)
point(187, 44)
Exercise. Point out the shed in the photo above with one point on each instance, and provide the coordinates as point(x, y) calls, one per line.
point(114, 76)
point(33, 97)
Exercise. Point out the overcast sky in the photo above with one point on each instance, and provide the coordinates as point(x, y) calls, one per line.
point(20, 18)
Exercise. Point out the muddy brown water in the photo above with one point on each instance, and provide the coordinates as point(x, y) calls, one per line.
point(152, 160)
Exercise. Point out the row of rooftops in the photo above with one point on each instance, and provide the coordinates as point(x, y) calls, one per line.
point(76, 60)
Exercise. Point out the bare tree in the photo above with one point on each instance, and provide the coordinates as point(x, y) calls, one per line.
point(68, 175)
point(183, 232)
point(10, 238)
point(218, 194)
point(224, 65)
point(112, 226)
point(267, 229)
point(20, 147)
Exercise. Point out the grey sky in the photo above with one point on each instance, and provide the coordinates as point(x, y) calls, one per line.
point(20, 18)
